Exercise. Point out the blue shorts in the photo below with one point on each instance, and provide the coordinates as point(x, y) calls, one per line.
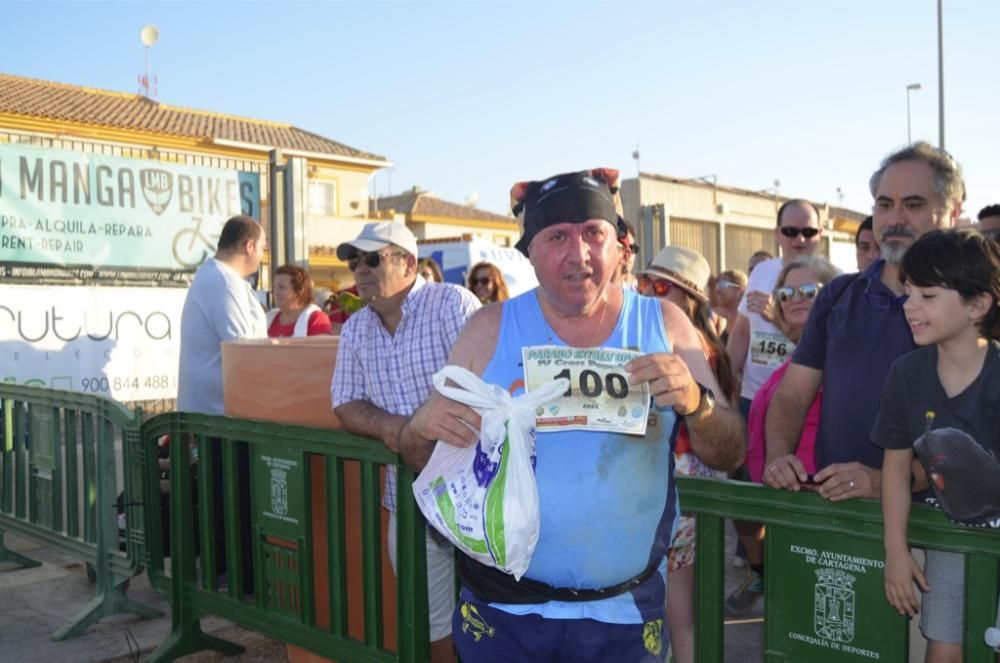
point(490, 635)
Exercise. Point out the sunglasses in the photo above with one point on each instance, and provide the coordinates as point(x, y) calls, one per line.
point(793, 232)
point(660, 287)
point(486, 280)
point(726, 285)
point(372, 260)
point(808, 291)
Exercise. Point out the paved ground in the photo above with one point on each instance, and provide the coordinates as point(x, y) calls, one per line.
point(36, 602)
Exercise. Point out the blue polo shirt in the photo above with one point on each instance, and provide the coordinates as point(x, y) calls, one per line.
point(856, 330)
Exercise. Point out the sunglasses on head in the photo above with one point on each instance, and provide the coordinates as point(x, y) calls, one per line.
point(486, 280)
point(372, 260)
point(660, 287)
point(808, 291)
point(793, 232)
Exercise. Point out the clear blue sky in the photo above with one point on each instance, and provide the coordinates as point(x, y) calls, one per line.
point(471, 96)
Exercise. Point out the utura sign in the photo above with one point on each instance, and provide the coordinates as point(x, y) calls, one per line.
point(119, 342)
point(75, 209)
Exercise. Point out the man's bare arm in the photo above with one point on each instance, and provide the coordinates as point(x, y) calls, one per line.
point(719, 439)
point(739, 343)
point(786, 416)
point(363, 418)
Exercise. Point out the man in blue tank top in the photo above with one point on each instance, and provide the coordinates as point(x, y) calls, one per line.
point(594, 590)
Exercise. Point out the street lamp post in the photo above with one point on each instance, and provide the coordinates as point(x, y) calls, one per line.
point(909, 88)
point(940, 26)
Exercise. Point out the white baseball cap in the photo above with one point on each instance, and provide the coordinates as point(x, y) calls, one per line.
point(377, 236)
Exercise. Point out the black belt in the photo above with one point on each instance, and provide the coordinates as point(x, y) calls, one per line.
point(494, 586)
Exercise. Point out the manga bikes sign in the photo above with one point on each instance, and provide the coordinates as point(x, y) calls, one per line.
point(75, 209)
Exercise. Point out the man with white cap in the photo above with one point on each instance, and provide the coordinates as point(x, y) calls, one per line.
point(387, 354)
point(595, 587)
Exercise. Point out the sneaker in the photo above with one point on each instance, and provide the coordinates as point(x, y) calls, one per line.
point(745, 597)
point(740, 556)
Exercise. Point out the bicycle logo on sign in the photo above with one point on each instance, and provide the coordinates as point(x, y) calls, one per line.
point(191, 246)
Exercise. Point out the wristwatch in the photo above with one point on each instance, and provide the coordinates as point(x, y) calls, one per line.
point(706, 404)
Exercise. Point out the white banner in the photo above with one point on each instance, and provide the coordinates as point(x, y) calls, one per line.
point(117, 342)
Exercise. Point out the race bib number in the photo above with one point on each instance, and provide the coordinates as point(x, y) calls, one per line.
point(599, 397)
point(770, 348)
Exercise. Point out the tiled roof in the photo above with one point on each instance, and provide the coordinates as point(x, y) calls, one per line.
point(120, 110)
point(424, 203)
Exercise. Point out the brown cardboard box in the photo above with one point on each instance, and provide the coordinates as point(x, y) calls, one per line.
point(280, 379)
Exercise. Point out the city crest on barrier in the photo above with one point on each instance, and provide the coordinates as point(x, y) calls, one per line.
point(833, 605)
point(279, 491)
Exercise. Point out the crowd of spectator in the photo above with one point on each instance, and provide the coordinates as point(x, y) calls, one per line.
point(790, 374)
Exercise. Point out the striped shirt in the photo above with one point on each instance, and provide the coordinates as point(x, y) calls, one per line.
point(393, 371)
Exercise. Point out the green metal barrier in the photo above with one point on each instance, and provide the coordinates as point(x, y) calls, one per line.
point(61, 458)
point(284, 554)
point(823, 590)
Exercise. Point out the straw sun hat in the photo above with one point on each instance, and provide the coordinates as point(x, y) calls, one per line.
point(683, 267)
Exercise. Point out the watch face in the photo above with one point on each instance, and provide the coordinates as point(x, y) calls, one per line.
point(705, 405)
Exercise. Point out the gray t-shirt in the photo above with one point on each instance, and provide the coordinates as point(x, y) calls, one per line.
point(960, 444)
point(220, 306)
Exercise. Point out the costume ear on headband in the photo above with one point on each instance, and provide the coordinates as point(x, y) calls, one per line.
point(609, 175)
point(518, 193)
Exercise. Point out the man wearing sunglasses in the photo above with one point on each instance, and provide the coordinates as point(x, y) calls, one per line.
point(624, 276)
point(387, 354)
point(756, 347)
point(856, 330)
point(595, 587)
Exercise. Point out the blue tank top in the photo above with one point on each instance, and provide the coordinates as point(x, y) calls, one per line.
point(608, 502)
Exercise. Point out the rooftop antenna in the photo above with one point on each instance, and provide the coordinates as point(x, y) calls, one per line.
point(149, 36)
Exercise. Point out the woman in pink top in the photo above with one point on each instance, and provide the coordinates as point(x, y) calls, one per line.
point(798, 284)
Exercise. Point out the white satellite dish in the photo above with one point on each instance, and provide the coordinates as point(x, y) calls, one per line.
point(149, 35)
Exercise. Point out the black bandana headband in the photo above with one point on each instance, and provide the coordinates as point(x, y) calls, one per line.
point(566, 198)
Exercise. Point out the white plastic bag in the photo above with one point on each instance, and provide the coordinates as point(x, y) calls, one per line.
point(483, 498)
